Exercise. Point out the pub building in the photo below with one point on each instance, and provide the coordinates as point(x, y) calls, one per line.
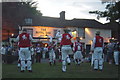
point(83, 28)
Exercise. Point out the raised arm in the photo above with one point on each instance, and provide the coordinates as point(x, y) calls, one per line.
point(58, 35)
point(31, 39)
point(93, 44)
point(17, 39)
point(50, 38)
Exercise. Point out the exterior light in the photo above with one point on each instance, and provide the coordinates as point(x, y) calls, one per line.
point(113, 38)
point(81, 38)
point(45, 44)
point(91, 42)
point(87, 31)
point(75, 32)
point(12, 35)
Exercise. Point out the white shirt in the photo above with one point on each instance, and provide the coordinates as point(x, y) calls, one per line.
point(32, 51)
point(59, 36)
point(3, 50)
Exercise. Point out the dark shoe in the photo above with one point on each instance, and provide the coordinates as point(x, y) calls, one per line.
point(18, 67)
point(63, 71)
point(95, 69)
point(54, 62)
point(50, 63)
point(78, 64)
point(26, 67)
point(68, 63)
point(100, 70)
point(29, 70)
point(116, 65)
point(22, 71)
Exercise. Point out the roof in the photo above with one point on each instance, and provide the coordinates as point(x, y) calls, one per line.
point(91, 23)
point(52, 22)
point(47, 21)
point(112, 25)
point(57, 22)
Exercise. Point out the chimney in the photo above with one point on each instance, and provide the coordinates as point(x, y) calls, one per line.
point(62, 15)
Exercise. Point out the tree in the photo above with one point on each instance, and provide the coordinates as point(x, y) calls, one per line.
point(14, 13)
point(112, 12)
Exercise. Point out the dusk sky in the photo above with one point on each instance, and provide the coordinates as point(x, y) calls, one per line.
point(74, 8)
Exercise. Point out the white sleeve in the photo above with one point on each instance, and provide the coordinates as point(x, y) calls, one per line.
point(93, 44)
point(1, 51)
point(31, 38)
point(50, 38)
point(17, 39)
point(32, 51)
point(73, 46)
point(103, 45)
point(58, 35)
point(71, 34)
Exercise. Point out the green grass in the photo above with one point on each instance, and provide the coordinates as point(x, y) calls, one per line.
point(43, 70)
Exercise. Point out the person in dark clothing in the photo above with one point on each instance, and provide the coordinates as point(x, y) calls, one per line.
point(38, 53)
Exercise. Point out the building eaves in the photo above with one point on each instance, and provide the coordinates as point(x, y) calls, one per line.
point(90, 23)
point(112, 25)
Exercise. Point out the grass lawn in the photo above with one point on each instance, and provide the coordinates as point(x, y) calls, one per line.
point(43, 70)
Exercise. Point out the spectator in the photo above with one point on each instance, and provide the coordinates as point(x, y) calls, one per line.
point(38, 53)
point(44, 52)
point(105, 53)
point(116, 53)
point(110, 51)
point(3, 51)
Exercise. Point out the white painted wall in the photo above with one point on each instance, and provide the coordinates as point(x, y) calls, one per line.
point(90, 33)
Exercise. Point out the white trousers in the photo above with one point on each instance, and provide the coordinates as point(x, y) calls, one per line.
point(43, 54)
point(78, 55)
point(52, 55)
point(116, 57)
point(66, 50)
point(24, 54)
point(97, 58)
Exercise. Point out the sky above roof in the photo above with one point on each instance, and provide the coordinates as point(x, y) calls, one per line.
point(73, 8)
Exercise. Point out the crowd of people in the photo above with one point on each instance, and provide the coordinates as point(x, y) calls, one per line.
point(63, 50)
